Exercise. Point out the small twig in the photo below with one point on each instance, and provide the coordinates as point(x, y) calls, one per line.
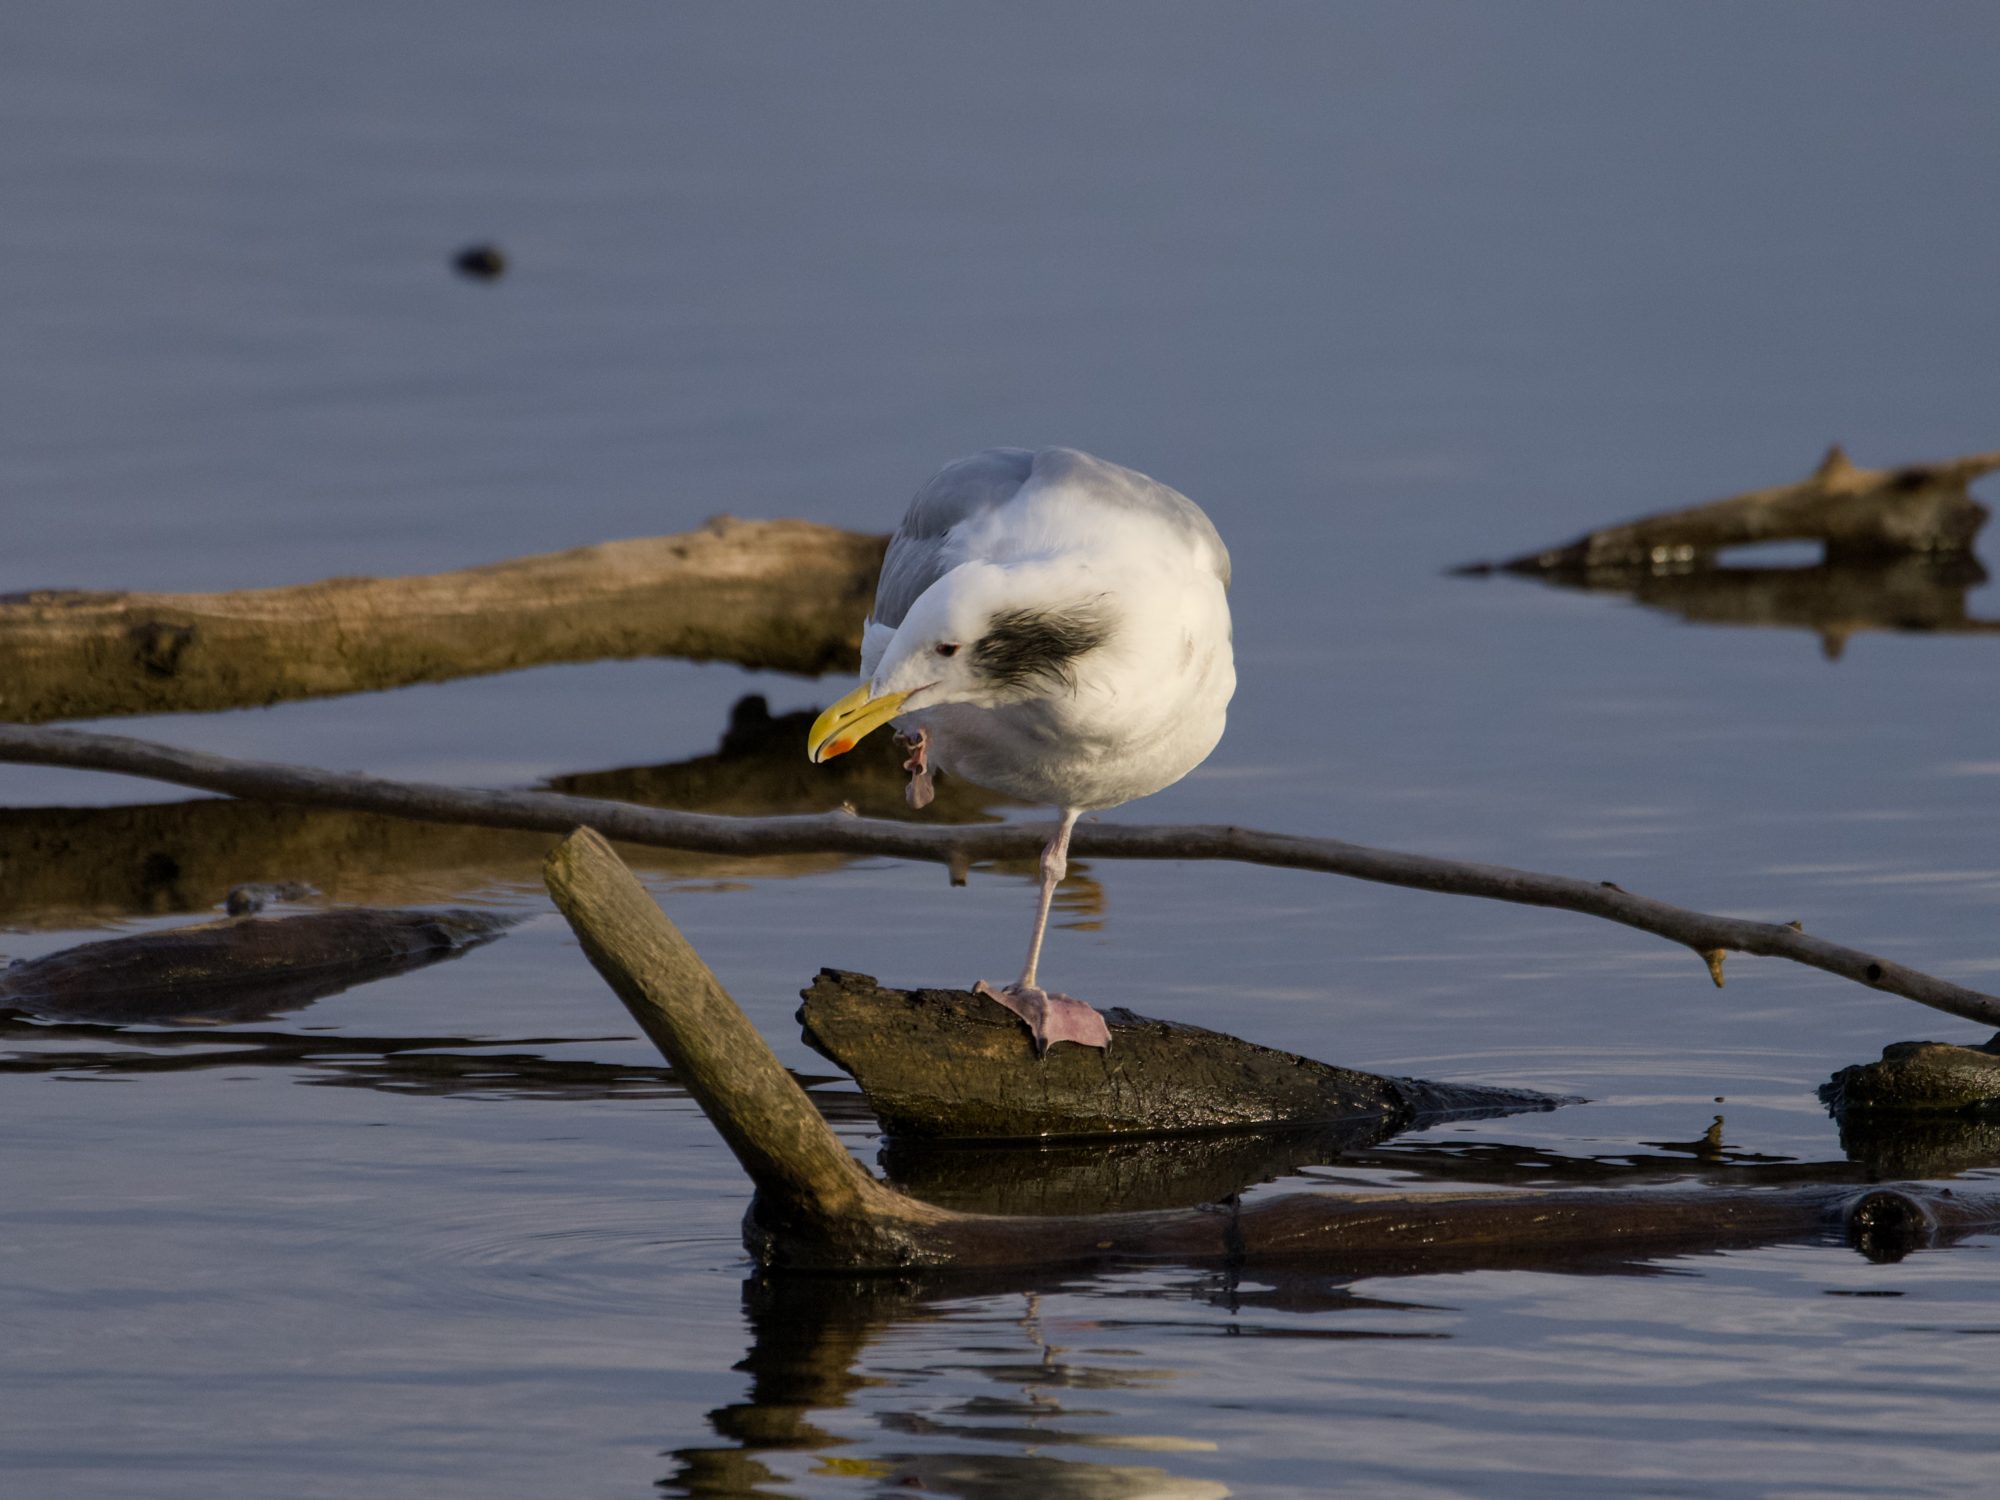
point(841, 833)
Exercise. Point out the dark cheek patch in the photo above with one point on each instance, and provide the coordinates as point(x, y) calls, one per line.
point(1024, 646)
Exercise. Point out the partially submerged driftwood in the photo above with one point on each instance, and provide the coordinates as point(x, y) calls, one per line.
point(1710, 936)
point(1919, 1078)
point(816, 1208)
point(1857, 513)
point(241, 968)
point(948, 1063)
point(786, 595)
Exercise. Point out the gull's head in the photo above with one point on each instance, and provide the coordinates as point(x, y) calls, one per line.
point(982, 635)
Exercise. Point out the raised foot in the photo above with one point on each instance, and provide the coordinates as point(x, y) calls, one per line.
point(920, 791)
point(1050, 1018)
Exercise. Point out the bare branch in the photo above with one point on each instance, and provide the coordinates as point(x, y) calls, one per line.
point(955, 846)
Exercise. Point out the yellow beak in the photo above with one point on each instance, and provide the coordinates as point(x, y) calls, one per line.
point(850, 721)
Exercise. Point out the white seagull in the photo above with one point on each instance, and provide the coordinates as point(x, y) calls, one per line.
point(1054, 627)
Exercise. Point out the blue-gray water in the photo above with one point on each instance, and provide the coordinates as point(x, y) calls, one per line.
point(1385, 288)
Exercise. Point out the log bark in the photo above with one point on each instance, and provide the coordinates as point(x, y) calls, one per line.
point(783, 595)
point(239, 969)
point(949, 1064)
point(1857, 513)
point(817, 1209)
point(1919, 1078)
point(1708, 935)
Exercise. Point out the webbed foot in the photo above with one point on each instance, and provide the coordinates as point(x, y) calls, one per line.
point(920, 791)
point(1050, 1018)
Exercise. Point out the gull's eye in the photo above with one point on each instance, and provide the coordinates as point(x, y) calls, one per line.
point(949, 648)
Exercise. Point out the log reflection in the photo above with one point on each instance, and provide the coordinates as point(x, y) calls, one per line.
point(1919, 595)
point(63, 867)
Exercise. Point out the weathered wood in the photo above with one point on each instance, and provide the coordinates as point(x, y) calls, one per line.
point(817, 1209)
point(957, 848)
point(68, 867)
point(951, 1064)
point(1855, 512)
point(784, 595)
point(1919, 1078)
point(241, 968)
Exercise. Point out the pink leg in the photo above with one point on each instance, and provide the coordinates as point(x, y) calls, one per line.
point(920, 791)
point(1051, 1018)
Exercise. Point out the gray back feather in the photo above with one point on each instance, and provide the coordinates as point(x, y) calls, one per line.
point(917, 555)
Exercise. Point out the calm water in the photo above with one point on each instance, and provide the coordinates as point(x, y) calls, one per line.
point(1386, 288)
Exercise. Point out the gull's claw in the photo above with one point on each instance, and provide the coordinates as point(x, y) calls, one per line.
point(920, 791)
point(1050, 1018)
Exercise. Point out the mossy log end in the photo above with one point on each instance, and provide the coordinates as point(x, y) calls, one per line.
point(784, 595)
point(1919, 1078)
point(1857, 513)
point(950, 1064)
point(818, 1209)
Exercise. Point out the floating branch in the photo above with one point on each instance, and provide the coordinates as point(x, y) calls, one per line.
point(1857, 513)
point(816, 1208)
point(785, 595)
point(956, 847)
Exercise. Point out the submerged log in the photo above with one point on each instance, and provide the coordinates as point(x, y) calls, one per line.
point(951, 1064)
point(238, 969)
point(1857, 513)
point(817, 1209)
point(783, 595)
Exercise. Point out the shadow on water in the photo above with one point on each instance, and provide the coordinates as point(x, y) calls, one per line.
point(1835, 600)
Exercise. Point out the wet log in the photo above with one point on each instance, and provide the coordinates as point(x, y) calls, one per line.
point(238, 969)
point(784, 595)
point(1918, 1078)
point(1857, 513)
point(1710, 936)
point(816, 1208)
point(949, 1064)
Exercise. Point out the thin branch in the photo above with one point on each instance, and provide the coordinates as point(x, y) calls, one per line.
point(956, 846)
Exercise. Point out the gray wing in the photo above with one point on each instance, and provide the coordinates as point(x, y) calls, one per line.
point(916, 556)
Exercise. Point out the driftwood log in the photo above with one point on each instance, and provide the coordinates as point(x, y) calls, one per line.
point(949, 1063)
point(1919, 1078)
point(1856, 513)
point(1710, 936)
point(785, 595)
point(817, 1209)
point(241, 968)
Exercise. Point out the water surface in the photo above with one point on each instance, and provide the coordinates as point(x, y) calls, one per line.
point(1386, 288)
